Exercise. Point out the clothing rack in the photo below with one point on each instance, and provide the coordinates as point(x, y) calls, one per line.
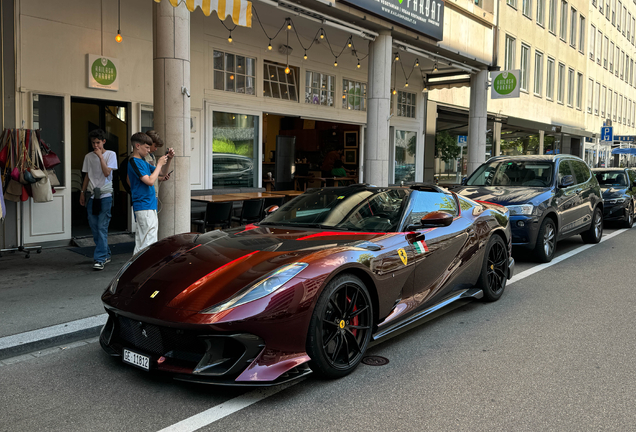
point(21, 247)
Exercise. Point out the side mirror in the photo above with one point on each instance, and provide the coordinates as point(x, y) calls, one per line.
point(566, 181)
point(271, 209)
point(464, 181)
point(437, 219)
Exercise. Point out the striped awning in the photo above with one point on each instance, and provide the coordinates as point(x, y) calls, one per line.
point(240, 10)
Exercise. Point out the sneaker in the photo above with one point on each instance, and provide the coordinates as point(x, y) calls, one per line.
point(98, 266)
point(107, 260)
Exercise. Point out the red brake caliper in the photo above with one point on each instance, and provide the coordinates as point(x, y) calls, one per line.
point(354, 321)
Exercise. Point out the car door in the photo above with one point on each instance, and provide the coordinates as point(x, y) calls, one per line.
point(435, 250)
point(631, 189)
point(585, 201)
point(566, 199)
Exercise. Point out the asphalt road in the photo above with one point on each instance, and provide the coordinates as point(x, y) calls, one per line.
point(555, 353)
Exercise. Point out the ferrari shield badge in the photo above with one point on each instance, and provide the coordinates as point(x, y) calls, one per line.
point(403, 256)
point(154, 294)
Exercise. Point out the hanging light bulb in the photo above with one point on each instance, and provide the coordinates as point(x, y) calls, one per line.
point(269, 47)
point(322, 34)
point(394, 91)
point(335, 62)
point(435, 67)
point(287, 70)
point(118, 38)
point(349, 43)
point(358, 64)
point(407, 84)
point(229, 39)
point(305, 56)
point(417, 62)
point(397, 57)
point(288, 24)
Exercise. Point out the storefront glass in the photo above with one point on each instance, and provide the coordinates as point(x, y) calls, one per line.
point(234, 150)
point(405, 153)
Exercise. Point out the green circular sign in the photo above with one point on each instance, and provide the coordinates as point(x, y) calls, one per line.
point(104, 71)
point(505, 83)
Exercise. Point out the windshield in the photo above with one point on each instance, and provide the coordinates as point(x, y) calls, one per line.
point(512, 173)
point(350, 209)
point(611, 178)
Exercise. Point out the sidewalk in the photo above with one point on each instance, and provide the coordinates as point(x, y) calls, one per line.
point(57, 288)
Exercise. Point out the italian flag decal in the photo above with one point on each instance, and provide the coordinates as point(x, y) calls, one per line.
point(420, 247)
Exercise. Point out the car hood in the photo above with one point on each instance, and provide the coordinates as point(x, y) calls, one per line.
point(196, 271)
point(503, 195)
point(613, 191)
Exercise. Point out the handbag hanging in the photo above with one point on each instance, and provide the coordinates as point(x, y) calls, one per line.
point(41, 190)
point(4, 147)
point(49, 158)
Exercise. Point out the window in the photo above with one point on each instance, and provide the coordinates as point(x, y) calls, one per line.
point(525, 64)
point(628, 24)
point(624, 110)
point(405, 156)
point(526, 8)
point(622, 62)
point(601, 7)
point(592, 41)
point(633, 111)
point(564, 20)
point(279, 85)
point(538, 73)
point(615, 105)
point(597, 98)
point(582, 34)
point(406, 102)
point(540, 12)
point(48, 114)
point(633, 28)
point(235, 139)
point(509, 62)
point(613, 12)
point(319, 88)
point(626, 68)
point(581, 171)
point(590, 95)
point(603, 101)
point(552, 16)
point(570, 87)
point(605, 47)
point(618, 18)
point(611, 57)
point(573, 23)
point(624, 18)
point(631, 72)
point(579, 90)
point(618, 60)
point(549, 88)
point(564, 170)
point(629, 112)
point(619, 108)
point(607, 9)
point(561, 83)
point(599, 46)
point(234, 73)
point(512, 3)
point(354, 95)
point(594, 3)
point(609, 104)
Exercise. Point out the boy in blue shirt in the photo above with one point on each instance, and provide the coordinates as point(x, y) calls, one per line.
point(142, 177)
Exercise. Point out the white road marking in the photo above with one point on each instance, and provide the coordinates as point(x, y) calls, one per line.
point(538, 268)
point(226, 408)
point(231, 406)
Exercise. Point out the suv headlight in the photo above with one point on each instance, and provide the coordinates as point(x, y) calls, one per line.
point(614, 200)
point(524, 209)
point(113, 285)
point(261, 288)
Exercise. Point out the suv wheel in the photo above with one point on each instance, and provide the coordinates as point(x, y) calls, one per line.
point(594, 234)
point(629, 217)
point(546, 241)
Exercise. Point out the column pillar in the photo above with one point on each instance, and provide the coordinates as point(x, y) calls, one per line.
point(430, 129)
point(477, 120)
point(496, 138)
point(171, 72)
point(541, 141)
point(376, 151)
point(596, 153)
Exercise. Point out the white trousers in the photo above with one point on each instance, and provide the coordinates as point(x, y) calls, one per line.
point(146, 229)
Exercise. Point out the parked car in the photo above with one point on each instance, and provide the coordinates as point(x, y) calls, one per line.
point(232, 170)
point(549, 198)
point(618, 186)
point(312, 284)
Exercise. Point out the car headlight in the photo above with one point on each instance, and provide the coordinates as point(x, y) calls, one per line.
point(524, 209)
point(614, 200)
point(261, 288)
point(113, 285)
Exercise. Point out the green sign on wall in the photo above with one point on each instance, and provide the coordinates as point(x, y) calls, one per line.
point(102, 73)
point(505, 84)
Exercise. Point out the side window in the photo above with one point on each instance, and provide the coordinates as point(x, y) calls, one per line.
point(423, 203)
point(581, 171)
point(564, 169)
point(632, 177)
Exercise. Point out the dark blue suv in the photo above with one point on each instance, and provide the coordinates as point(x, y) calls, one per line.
point(549, 198)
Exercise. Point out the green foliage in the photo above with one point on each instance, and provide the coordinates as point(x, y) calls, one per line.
point(224, 145)
point(446, 146)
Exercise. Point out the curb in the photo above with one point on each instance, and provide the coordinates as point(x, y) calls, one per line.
point(24, 343)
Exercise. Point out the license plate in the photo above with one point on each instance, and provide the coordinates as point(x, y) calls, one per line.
point(135, 359)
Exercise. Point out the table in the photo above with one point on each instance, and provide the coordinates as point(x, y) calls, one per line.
point(217, 198)
point(254, 195)
point(288, 193)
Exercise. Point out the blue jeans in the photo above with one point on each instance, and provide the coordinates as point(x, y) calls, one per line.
point(99, 227)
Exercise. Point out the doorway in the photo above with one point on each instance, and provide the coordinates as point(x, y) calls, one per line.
point(114, 118)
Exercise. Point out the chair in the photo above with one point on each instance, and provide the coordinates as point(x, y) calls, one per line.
point(252, 211)
point(278, 201)
point(216, 215)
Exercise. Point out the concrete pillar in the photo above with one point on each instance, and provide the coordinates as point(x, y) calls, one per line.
point(171, 72)
point(541, 141)
point(477, 120)
point(376, 151)
point(430, 128)
point(597, 153)
point(496, 138)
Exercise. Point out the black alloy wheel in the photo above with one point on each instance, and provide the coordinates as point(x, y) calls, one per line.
point(629, 217)
point(594, 234)
point(340, 328)
point(546, 241)
point(494, 272)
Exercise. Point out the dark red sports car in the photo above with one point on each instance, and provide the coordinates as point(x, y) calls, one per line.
point(306, 289)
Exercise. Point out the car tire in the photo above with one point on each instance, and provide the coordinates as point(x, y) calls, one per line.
point(594, 234)
point(340, 327)
point(629, 217)
point(494, 269)
point(546, 241)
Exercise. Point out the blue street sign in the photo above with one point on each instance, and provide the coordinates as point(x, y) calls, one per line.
point(462, 139)
point(624, 138)
point(607, 133)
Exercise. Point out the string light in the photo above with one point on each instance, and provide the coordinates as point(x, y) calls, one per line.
point(118, 38)
point(397, 57)
point(229, 39)
point(349, 42)
point(269, 47)
point(394, 91)
point(407, 84)
point(435, 67)
point(358, 64)
point(288, 24)
point(287, 70)
point(417, 62)
point(305, 56)
point(322, 34)
point(335, 62)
